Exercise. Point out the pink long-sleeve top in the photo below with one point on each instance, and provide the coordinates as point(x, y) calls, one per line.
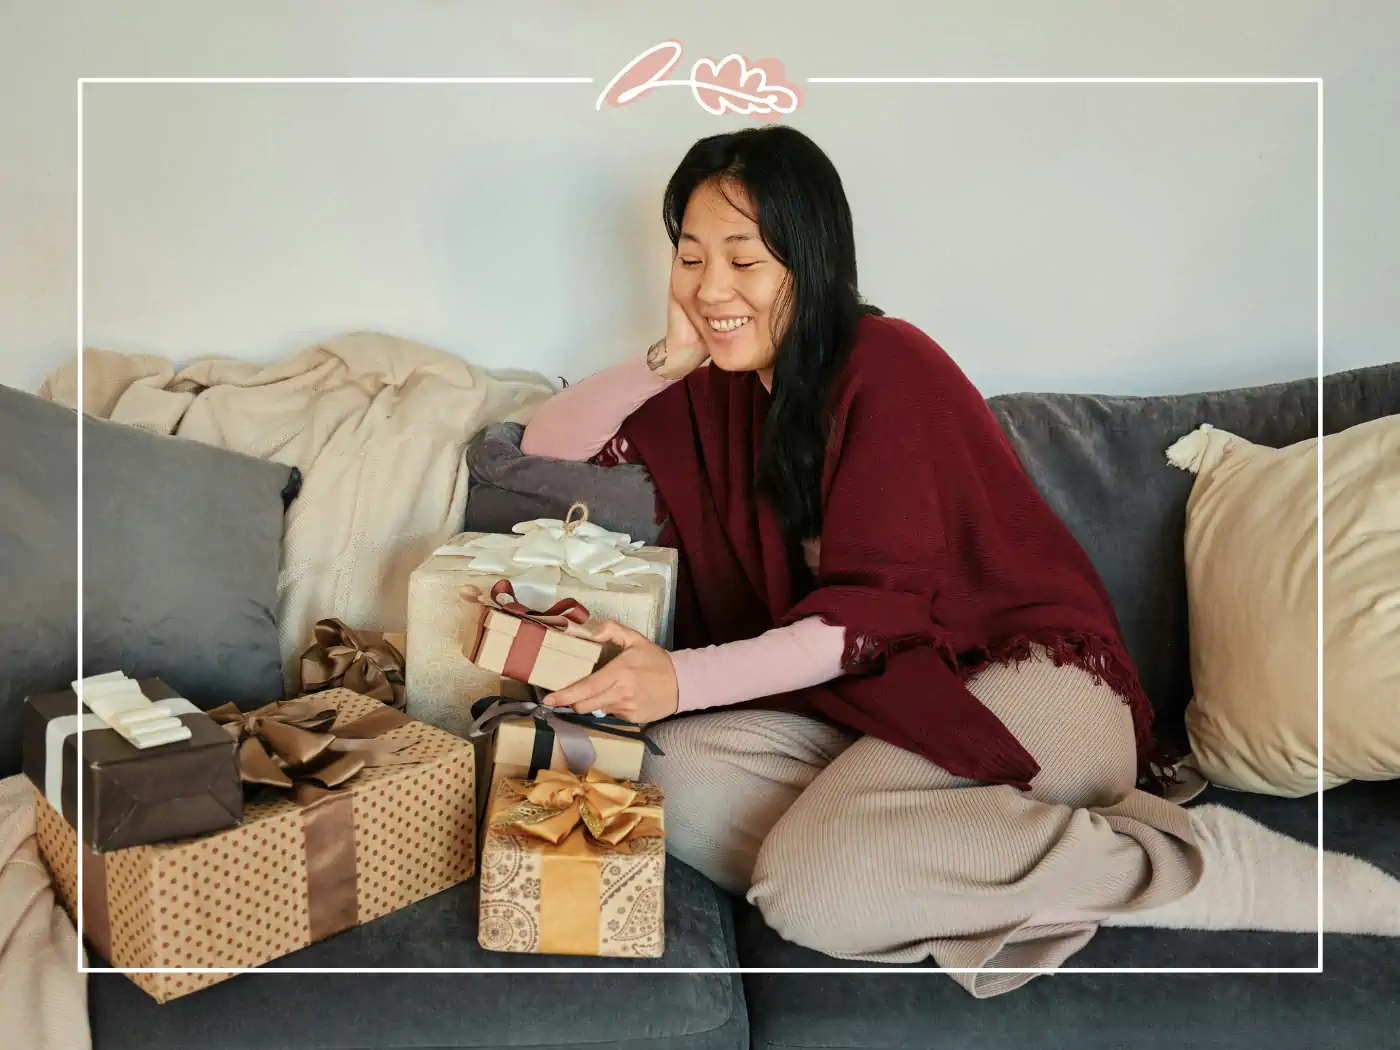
point(576, 424)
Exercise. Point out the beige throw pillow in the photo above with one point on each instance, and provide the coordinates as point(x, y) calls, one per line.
point(1251, 566)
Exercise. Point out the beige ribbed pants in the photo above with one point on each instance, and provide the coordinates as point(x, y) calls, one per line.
point(866, 851)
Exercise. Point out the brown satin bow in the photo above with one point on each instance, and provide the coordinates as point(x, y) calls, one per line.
point(564, 615)
point(289, 744)
point(559, 806)
point(361, 661)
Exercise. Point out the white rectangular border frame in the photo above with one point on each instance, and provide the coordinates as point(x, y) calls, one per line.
point(82, 82)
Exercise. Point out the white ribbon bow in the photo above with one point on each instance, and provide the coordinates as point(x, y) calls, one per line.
point(540, 553)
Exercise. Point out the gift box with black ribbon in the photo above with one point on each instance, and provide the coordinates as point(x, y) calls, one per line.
point(353, 811)
point(574, 865)
point(525, 736)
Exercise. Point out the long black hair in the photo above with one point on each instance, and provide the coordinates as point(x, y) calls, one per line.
point(804, 220)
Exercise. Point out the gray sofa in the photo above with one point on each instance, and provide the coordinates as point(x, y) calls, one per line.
point(1099, 460)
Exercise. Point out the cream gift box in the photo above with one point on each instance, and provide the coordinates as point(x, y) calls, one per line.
point(537, 647)
point(524, 735)
point(442, 682)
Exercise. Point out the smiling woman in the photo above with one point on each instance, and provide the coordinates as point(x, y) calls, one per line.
point(905, 637)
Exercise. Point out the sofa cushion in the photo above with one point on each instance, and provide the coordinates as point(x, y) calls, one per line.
point(1101, 464)
point(1252, 565)
point(181, 549)
point(1352, 1000)
point(510, 487)
point(38, 557)
point(377, 1011)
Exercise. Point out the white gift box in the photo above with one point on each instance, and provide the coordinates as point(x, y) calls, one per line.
point(615, 577)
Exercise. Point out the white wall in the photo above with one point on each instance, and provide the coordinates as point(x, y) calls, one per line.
point(1136, 239)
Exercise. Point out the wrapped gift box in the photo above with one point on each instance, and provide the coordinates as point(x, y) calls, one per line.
point(132, 796)
point(305, 864)
point(442, 680)
point(370, 663)
point(527, 652)
point(551, 885)
point(524, 736)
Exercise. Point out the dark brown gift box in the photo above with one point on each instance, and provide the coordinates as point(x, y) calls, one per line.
point(131, 796)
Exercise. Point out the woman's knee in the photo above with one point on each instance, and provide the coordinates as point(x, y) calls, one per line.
point(728, 777)
point(804, 884)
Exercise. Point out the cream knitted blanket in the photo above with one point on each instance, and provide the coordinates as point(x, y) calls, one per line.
point(43, 997)
point(378, 426)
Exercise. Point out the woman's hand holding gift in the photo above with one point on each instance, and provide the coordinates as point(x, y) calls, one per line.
point(639, 684)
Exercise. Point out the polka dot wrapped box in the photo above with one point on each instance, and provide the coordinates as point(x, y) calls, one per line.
point(362, 811)
point(574, 865)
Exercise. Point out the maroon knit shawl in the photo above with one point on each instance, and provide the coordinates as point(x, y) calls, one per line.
point(938, 555)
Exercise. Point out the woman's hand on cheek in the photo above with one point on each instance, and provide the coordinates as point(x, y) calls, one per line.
point(682, 350)
point(639, 684)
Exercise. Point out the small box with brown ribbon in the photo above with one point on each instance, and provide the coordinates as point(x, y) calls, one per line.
point(574, 865)
point(354, 811)
point(548, 648)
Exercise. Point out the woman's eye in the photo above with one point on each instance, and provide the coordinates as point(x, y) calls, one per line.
point(690, 262)
point(744, 265)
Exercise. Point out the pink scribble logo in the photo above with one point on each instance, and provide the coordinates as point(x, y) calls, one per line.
point(733, 84)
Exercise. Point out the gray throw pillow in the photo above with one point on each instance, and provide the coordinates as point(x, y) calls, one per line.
point(181, 549)
point(508, 487)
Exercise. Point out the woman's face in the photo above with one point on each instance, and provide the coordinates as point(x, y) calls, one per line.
point(726, 281)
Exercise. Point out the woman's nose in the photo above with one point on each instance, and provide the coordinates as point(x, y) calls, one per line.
point(715, 286)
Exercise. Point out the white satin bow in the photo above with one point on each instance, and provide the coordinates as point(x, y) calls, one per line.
point(542, 551)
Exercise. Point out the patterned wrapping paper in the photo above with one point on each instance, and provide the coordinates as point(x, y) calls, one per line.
point(243, 897)
point(442, 683)
point(571, 899)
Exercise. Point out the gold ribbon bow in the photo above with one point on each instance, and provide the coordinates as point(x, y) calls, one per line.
point(289, 744)
point(361, 661)
point(560, 805)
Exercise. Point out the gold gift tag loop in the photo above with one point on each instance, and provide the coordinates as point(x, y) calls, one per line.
point(570, 524)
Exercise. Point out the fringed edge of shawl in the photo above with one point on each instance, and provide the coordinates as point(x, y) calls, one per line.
point(1105, 661)
point(613, 454)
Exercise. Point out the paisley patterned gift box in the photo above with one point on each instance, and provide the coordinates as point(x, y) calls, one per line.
point(574, 866)
point(363, 828)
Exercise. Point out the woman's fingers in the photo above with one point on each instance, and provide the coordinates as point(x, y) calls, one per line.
point(611, 631)
point(582, 692)
point(611, 701)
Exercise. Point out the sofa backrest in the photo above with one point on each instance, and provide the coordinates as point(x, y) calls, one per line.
point(1101, 464)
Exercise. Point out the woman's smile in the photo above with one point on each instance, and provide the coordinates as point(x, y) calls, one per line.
point(727, 331)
